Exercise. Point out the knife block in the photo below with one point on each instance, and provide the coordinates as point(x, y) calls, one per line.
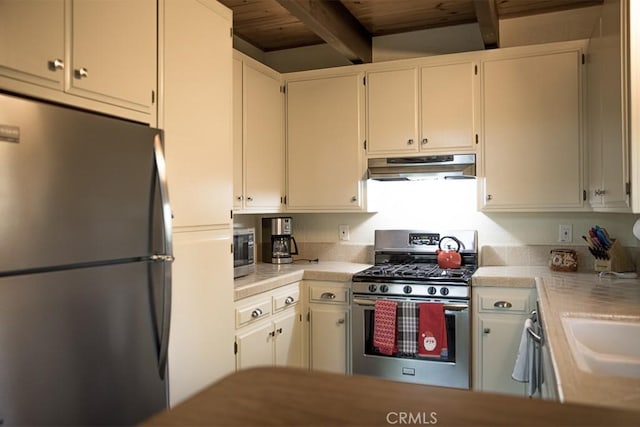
point(618, 261)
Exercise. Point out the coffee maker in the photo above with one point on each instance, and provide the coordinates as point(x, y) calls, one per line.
point(277, 242)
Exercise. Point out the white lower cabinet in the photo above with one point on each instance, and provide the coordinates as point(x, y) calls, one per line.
point(269, 329)
point(329, 326)
point(499, 314)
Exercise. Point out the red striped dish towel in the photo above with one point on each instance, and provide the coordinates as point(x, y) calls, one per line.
point(432, 335)
point(384, 326)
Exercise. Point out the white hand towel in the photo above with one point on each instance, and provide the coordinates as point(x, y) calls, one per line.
point(524, 361)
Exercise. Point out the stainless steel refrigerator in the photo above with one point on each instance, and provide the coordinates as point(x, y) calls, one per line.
point(85, 267)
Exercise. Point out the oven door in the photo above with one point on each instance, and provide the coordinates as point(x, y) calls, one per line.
point(452, 371)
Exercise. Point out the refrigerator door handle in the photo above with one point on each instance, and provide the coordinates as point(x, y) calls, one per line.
point(166, 257)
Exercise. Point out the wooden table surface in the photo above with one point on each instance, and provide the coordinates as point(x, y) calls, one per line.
point(295, 397)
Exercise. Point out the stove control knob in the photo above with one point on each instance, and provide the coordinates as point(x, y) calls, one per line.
point(444, 291)
point(384, 288)
point(373, 288)
point(431, 290)
point(407, 289)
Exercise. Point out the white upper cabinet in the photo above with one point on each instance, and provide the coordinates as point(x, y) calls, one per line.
point(448, 104)
point(325, 143)
point(103, 53)
point(532, 128)
point(196, 112)
point(607, 104)
point(238, 158)
point(113, 51)
point(427, 107)
point(32, 46)
point(392, 111)
point(259, 143)
point(632, 88)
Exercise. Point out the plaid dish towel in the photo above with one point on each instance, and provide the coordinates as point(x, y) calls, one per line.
point(408, 328)
point(384, 327)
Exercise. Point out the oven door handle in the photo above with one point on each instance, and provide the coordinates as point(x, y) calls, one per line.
point(448, 307)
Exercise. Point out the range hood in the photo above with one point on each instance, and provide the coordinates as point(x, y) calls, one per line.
point(422, 167)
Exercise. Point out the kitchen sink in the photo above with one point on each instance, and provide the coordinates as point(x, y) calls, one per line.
point(604, 346)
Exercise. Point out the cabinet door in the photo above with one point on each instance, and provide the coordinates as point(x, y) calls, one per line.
point(197, 104)
point(114, 51)
point(255, 346)
point(263, 134)
point(288, 342)
point(608, 138)
point(31, 40)
point(447, 107)
point(201, 337)
point(532, 132)
point(392, 97)
point(238, 157)
point(329, 338)
point(500, 337)
point(325, 143)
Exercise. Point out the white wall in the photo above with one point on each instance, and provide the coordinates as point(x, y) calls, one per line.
point(573, 24)
point(439, 204)
point(437, 41)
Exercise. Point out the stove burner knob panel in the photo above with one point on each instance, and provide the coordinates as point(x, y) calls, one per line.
point(431, 290)
point(373, 288)
point(444, 291)
point(384, 288)
point(407, 289)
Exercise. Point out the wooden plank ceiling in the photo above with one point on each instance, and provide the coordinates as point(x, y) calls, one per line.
point(349, 25)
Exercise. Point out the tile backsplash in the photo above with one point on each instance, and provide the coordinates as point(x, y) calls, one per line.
point(533, 255)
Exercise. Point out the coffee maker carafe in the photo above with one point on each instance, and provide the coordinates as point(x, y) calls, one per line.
point(278, 245)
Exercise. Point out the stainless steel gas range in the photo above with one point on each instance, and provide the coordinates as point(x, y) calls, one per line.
point(406, 278)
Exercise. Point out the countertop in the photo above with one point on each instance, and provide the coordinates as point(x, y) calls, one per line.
point(560, 294)
point(271, 276)
point(576, 294)
point(286, 396)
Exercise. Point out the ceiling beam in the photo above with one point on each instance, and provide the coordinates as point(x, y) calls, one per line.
point(487, 15)
point(332, 22)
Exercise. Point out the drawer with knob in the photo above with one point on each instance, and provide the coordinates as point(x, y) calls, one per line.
point(517, 301)
point(326, 294)
point(252, 312)
point(285, 300)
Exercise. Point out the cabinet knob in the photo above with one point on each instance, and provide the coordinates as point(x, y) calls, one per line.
point(487, 330)
point(502, 304)
point(489, 197)
point(340, 321)
point(328, 295)
point(600, 192)
point(240, 198)
point(279, 330)
point(256, 313)
point(354, 199)
point(56, 64)
point(250, 199)
point(82, 73)
point(410, 142)
point(289, 300)
point(425, 141)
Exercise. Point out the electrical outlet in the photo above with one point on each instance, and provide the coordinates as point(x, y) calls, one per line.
point(344, 232)
point(565, 233)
